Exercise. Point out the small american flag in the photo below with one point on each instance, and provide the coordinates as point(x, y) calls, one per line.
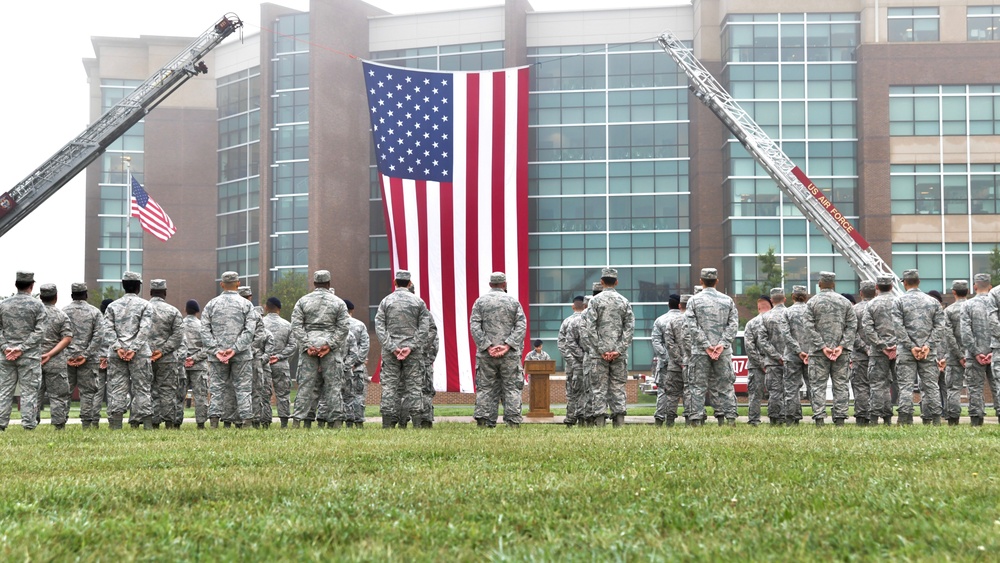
point(151, 216)
point(452, 154)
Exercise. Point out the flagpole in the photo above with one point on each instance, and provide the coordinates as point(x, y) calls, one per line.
point(128, 213)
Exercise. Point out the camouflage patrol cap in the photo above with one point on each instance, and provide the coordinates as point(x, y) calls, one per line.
point(78, 287)
point(609, 273)
point(709, 274)
point(598, 286)
point(776, 291)
point(960, 285)
point(403, 275)
point(321, 276)
point(685, 298)
point(230, 277)
point(245, 291)
point(885, 280)
point(498, 277)
point(131, 276)
point(911, 275)
point(47, 290)
point(158, 284)
point(800, 290)
point(827, 277)
point(25, 277)
point(981, 278)
point(867, 285)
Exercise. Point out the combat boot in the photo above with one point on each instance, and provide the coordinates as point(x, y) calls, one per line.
point(321, 423)
point(95, 425)
point(115, 422)
point(284, 422)
point(213, 423)
point(349, 424)
point(296, 423)
point(838, 422)
point(307, 424)
point(135, 424)
point(732, 422)
point(147, 423)
point(359, 425)
point(84, 424)
point(657, 422)
point(819, 422)
point(977, 420)
point(861, 421)
point(168, 425)
point(887, 420)
point(386, 424)
point(60, 426)
point(402, 425)
point(201, 426)
point(599, 421)
point(936, 421)
point(904, 419)
point(248, 424)
point(618, 421)
point(668, 422)
point(424, 424)
point(953, 422)
point(227, 424)
point(336, 425)
point(512, 424)
point(721, 420)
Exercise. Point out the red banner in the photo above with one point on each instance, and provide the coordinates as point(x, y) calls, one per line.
point(839, 217)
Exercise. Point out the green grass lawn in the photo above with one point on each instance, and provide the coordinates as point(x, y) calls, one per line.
point(459, 493)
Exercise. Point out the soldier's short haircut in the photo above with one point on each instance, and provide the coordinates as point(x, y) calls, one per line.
point(79, 296)
point(578, 298)
point(884, 288)
point(48, 298)
point(23, 285)
point(131, 286)
point(709, 283)
point(404, 283)
point(868, 292)
point(157, 293)
point(961, 292)
point(609, 281)
point(800, 297)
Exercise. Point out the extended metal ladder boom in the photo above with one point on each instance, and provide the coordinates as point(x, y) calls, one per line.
point(55, 172)
point(792, 182)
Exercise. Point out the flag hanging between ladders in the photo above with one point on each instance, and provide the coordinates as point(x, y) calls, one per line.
point(452, 156)
point(151, 216)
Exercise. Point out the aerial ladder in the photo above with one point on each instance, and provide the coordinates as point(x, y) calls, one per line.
point(791, 180)
point(55, 172)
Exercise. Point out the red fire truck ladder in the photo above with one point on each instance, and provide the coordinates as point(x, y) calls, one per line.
point(53, 174)
point(810, 200)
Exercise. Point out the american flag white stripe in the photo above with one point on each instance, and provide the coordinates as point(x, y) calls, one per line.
point(151, 216)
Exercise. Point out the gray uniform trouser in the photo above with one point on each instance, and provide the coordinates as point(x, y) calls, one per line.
point(704, 375)
point(607, 386)
point(282, 381)
point(821, 370)
point(862, 389)
point(575, 389)
point(233, 379)
point(930, 395)
point(166, 377)
point(135, 379)
point(402, 388)
point(312, 369)
point(55, 385)
point(355, 387)
point(498, 379)
point(795, 374)
point(755, 392)
point(197, 381)
point(27, 372)
point(880, 377)
point(775, 380)
point(672, 384)
point(954, 380)
point(977, 376)
point(85, 378)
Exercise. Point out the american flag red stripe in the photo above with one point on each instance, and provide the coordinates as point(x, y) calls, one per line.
point(452, 234)
point(151, 216)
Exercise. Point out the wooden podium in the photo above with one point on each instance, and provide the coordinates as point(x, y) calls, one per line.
point(539, 372)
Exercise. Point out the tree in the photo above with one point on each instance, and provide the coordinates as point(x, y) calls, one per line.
point(770, 267)
point(109, 292)
point(288, 288)
point(995, 265)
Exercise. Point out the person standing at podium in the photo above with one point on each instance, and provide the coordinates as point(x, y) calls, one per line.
point(537, 354)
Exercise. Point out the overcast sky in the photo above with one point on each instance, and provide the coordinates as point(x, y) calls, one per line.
point(45, 100)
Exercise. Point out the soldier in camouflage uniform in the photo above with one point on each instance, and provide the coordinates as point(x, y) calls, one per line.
point(796, 339)
point(498, 326)
point(356, 372)
point(227, 331)
point(610, 326)
point(84, 353)
point(832, 326)
point(166, 340)
point(195, 374)
point(953, 354)
point(321, 327)
point(977, 334)
point(430, 354)
point(919, 320)
point(657, 340)
point(260, 394)
point(102, 367)
point(754, 335)
point(537, 354)
point(571, 348)
point(587, 398)
point(22, 322)
point(402, 326)
point(284, 347)
point(772, 348)
point(712, 321)
point(55, 380)
point(678, 342)
point(880, 335)
point(127, 323)
point(859, 361)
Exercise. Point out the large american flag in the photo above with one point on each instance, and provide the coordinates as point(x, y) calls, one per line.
point(151, 216)
point(452, 155)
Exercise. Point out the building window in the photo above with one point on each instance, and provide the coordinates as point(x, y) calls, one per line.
point(913, 24)
point(949, 189)
point(983, 23)
point(952, 109)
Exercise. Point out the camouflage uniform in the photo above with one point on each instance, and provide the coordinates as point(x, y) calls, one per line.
point(262, 347)
point(919, 320)
point(430, 354)
point(320, 319)
point(88, 336)
point(534, 356)
point(356, 373)
point(993, 380)
point(772, 348)
point(166, 335)
point(228, 322)
point(402, 321)
point(55, 380)
point(753, 336)
point(795, 338)
point(22, 320)
point(678, 344)
point(880, 333)
point(859, 370)
point(610, 326)
point(127, 323)
point(953, 352)
point(662, 358)
point(196, 376)
point(571, 349)
point(977, 339)
point(711, 319)
point(497, 319)
point(284, 348)
point(831, 322)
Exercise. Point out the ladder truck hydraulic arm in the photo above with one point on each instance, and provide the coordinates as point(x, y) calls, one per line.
point(792, 181)
point(55, 172)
